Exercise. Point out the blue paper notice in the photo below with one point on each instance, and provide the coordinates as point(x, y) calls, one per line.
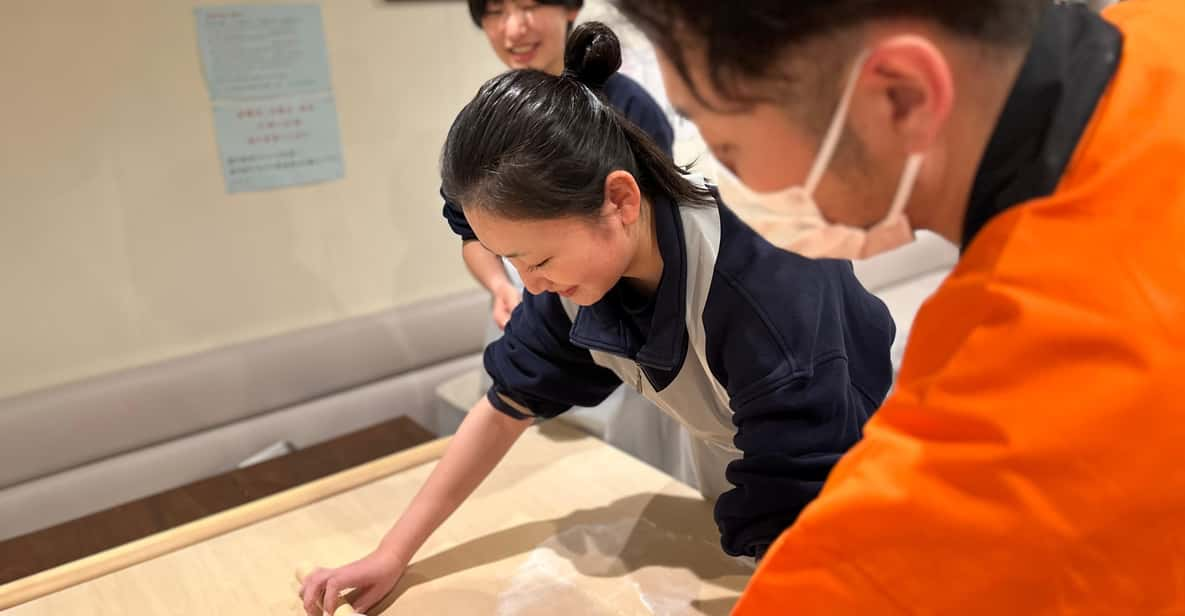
point(260, 51)
point(268, 74)
point(278, 142)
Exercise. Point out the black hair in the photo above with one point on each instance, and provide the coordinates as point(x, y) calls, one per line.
point(534, 146)
point(745, 40)
point(478, 8)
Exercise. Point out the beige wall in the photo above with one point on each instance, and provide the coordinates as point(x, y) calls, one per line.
point(118, 242)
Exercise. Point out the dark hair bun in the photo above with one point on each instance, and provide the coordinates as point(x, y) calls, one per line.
point(593, 54)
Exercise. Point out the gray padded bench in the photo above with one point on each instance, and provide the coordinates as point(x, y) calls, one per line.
point(82, 447)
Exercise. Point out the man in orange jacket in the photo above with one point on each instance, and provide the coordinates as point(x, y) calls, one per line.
point(1031, 458)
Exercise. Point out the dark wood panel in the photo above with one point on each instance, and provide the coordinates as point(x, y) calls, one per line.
point(28, 554)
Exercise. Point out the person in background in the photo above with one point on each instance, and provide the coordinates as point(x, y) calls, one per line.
point(531, 34)
point(1029, 459)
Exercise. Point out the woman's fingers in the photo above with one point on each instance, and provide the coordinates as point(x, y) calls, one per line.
point(313, 590)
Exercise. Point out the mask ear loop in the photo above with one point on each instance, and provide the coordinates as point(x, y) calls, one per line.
point(913, 165)
point(835, 131)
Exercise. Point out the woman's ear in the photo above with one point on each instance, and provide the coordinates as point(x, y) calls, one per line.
point(623, 197)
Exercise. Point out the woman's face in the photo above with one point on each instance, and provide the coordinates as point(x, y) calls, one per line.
point(577, 257)
point(526, 34)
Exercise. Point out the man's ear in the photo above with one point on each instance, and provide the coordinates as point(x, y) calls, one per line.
point(913, 79)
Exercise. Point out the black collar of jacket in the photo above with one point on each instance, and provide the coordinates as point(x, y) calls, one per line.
point(1073, 59)
point(602, 326)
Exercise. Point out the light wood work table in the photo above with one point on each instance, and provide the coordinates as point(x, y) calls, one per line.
point(566, 525)
point(51, 547)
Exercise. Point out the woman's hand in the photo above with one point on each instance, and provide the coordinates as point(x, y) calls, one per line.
point(506, 298)
point(372, 577)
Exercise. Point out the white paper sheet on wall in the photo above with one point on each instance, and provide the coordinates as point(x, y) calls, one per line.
point(267, 71)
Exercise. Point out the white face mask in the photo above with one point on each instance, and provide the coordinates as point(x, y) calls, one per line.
point(789, 218)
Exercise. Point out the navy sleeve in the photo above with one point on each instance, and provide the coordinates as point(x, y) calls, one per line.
point(536, 366)
point(805, 360)
point(647, 115)
point(456, 219)
point(636, 104)
point(791, 437)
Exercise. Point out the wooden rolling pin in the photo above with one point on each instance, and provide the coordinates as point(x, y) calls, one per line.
point(345, 609)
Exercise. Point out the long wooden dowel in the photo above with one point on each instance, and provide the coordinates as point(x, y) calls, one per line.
point(153, 546)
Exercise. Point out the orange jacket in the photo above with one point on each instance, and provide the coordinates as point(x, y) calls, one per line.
point(1032, 458)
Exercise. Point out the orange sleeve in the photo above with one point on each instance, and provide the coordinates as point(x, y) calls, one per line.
point(1018, 466)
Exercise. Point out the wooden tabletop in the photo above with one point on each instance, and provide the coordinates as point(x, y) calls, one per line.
point(565, 525)
point(41, 550)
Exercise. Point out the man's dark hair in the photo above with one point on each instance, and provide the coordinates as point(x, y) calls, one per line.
point(477, 8)
point(745, 40)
